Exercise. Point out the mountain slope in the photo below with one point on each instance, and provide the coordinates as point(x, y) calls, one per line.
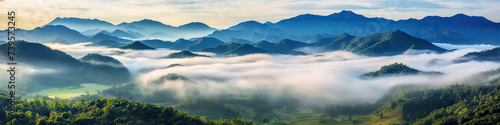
point(458, 29)
point(98, 58)
point(485, 55)
point(219, 49)
point(245, 49)
point(393, 43)
point(205, 42)
point(397, 69)
point(474, 103)
point(66, 69)
point(184, 54)
point(80, 24)
point(104, 36)
point(181, 44)
point(121, 33)
point(155, 43)
point(136, 46)
point(285, 46)
point(333, 43)
point(49, 33)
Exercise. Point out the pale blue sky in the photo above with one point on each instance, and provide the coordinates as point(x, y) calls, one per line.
point(225, 13)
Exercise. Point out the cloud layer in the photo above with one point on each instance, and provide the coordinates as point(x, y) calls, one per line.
point(334, 76)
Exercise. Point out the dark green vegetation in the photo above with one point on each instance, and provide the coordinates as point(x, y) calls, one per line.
point(392, 43)
point(333, 43)
point(184, 54)
point(136, 46)
point(45, 111)
point(70, 71)
point(170, 77)
point(240, 41)
point(476, 103)
point(398, 69)
point(485, 55)
point(98, 58)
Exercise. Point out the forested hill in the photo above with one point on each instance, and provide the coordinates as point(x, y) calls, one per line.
point(467, 104)
point(397, 69)
point(98, 111)
point(485, 55)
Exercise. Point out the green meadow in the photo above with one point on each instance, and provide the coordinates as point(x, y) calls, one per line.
point(71, 91)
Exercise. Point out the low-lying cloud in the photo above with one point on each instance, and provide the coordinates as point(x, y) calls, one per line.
point(332, 76)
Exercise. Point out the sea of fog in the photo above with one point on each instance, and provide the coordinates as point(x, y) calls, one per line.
point(326, 76)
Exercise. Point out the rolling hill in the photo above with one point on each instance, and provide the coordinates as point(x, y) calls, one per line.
point(184, 54)
point(485, 55)
point(398, 69)
point(136, 46)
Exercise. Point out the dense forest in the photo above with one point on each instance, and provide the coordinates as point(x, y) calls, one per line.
point(99, 111)
point(397, 69)
point(468, 103)
point(471, 103)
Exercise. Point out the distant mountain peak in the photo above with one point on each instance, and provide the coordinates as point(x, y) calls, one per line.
point(398, 32)
point(460, 15)
point(346, 14)
point(196, 25)
point(250, 22)
point(346, 34)
point(146, 21)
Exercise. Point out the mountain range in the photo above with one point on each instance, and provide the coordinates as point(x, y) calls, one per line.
point(145, 28)
point(388, 44)
point(457, 29)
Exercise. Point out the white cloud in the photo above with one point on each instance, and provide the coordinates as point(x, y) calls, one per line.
point(334, 77)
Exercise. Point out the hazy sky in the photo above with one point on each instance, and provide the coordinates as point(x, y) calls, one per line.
point(225, 13)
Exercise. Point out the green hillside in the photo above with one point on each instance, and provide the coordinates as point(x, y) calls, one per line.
point(184, 54)
point(397, 69)
point(136, 46)
point(485, 55)
point(98, 111)
point(205, 42)
point(388, 44)
point(467, 104)
point(100, 58)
